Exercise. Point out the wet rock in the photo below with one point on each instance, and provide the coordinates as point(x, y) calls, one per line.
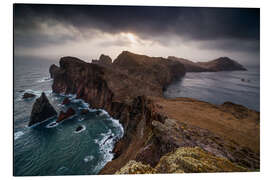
point(84, 111)
point(28, 95)
point(66, 101)
point(41, 110)
point(64, 115)
point(79, 128)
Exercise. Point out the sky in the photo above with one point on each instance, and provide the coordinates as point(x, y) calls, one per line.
point(87, 31)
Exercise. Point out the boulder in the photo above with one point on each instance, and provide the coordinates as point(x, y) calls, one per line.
point(41, 110)
point(28, 95)
point(64, 115)
point(79, 128)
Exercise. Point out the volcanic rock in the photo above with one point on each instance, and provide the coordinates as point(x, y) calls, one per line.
point(41, 110)
point(28, 95)
point(64, 115)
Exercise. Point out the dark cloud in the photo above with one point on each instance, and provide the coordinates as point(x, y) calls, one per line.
point(226, 28)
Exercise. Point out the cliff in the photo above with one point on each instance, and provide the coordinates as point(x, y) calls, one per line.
point(131, 90)
point(219, 64)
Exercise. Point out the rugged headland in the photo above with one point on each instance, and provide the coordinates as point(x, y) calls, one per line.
point(219, 64)
point(161, 135)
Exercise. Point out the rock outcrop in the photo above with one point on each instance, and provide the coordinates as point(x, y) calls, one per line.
point(220, 64)
point(28, 95)
point(184, 160)
point(65, 115)
point(103, 60)
point(41, 110)
point(131, 90)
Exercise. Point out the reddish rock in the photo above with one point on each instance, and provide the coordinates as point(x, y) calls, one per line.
point(64, 115)
point(66, 101)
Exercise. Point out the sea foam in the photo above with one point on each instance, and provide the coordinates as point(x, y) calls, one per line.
point(18, 134)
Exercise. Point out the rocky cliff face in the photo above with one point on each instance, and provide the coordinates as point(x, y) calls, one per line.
point(131, 90)
point(220, 64)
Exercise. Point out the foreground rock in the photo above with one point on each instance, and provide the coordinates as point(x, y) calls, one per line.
point(220, 64)
point(28, 95)
point(65, 115)
point(184, 160)
point(41, 110)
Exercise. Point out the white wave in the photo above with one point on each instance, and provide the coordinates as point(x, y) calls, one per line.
point(80, 119)
point(117, 124)
point(45, 79)
point(18, 134)
point(88, 158)
point(104, 113)
point(106, 145)
point(52, 125)
point(83, 128)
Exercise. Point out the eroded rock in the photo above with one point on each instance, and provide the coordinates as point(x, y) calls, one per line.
point(41, 110)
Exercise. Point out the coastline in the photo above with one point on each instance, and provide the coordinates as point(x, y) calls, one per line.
point(138, 111)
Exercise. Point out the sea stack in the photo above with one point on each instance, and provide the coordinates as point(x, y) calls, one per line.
point(42, 110)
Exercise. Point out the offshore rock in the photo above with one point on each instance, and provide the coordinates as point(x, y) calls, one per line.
point(28, 95)
point(64, 115)
point(41, 110)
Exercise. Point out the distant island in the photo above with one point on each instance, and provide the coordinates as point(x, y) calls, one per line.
point(163, 135)
point(219, 64)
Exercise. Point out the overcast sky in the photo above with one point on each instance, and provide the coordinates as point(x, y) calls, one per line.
point(198, 34)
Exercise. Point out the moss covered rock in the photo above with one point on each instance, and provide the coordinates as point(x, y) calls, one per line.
point(184, 160)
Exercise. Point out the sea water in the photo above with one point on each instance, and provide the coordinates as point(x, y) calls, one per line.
point(57, 149)
point(240, 87)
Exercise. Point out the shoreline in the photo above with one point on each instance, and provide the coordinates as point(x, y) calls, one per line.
point(137, 110)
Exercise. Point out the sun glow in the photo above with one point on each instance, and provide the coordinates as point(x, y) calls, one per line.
point(131, 37)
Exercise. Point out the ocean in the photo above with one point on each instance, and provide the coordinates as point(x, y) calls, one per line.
point(240, 87)
point(59, 150)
